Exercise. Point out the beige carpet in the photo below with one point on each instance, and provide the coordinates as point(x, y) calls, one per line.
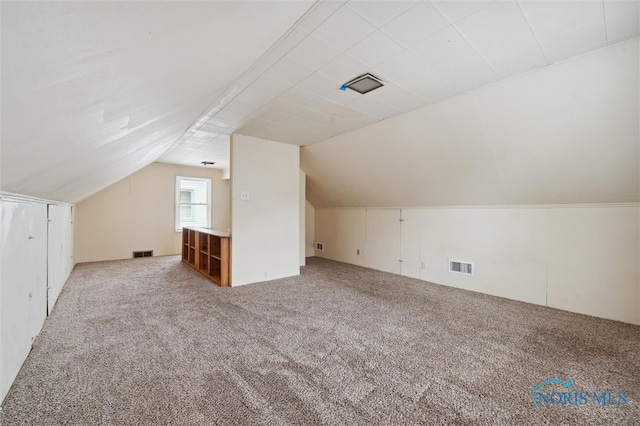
point(150, 341)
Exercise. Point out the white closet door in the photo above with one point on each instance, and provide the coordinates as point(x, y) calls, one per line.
point(411, 238)
point(383, 240)
point(23, 278)
point(59, 251)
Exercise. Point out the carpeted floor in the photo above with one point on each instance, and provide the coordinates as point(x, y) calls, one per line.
point(150, 341)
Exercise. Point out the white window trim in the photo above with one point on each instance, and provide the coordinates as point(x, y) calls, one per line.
point(178, 204)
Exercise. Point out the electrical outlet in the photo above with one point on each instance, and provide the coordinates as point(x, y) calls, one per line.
point(244, 196)
point(423, 265)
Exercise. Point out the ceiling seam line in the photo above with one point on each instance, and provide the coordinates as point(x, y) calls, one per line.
point(476, 50)
point(604, 20)
point(285, 54)
point(189, 128)
point(544, 55)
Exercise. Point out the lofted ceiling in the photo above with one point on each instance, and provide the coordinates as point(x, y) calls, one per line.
point(564, 134)
point(95, 91)
point(425, 51)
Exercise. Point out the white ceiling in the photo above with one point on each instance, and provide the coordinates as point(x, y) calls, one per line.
point(563, 134)
point(425, 51)
point(93, 91)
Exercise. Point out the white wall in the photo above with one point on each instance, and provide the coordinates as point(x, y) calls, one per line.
point(265, 229)
point(343, 233)
point(597, 249)
point(310, 228)
point(383, 239)
point(302, 218)
point(581, 258)
point(35, 262)
point(138, 213)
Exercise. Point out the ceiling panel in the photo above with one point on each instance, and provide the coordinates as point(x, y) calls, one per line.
point(499, 27)
point(456, 10)
point(299, 96)
point(216, 124)
point(266, 113)
point(551, 19)
point(344, 29)
point(498, 32)
point(269, 86)
point(440, 46)
point(342, 97)
point(417, 23)
point(232, 116)
point(328, 108)
point(248, 101)
point(319, 84)
point(521, 60)
point(374, 108)
point(343, 69)
point(401, 68)
point(282, 105)
point(380, 13)
point(307, 112)
point(253, 126)
point(374, 49)
point(622, 20)
point(467, 69)
point(313, 53)
point(409, 71)
point(578, 40)
point(565, 29)
point(288, 71)
point(397, 97)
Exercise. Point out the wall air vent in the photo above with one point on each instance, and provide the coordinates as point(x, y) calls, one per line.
point(460, 267)
point(363, 84)
point(145, 253)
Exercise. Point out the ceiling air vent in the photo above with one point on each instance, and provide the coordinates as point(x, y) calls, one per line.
point(461, 267)
point(363, 84)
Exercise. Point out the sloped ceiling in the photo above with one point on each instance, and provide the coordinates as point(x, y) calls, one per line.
point(564, 134)
point(93, 91)
point(425, 51)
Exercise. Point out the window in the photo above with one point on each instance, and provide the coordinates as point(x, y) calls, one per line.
point(193, 202)
point(186, 210)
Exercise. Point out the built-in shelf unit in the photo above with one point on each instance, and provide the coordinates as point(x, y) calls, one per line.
point(207, 251)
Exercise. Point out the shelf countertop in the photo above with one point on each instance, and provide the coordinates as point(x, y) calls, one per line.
point(211, 232)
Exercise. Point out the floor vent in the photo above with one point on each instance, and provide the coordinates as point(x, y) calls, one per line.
point(460, 267)
point(146, 253)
